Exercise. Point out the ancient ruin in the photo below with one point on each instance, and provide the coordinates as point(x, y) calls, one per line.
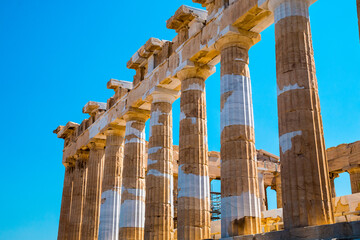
point(119, 186)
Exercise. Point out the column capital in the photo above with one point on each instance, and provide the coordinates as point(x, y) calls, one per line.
point(237, 37)
point(333, 175)
point(353, 169)
point(137, 114)
point(276, 174)
point(194, 70)
point(82, 155)
point(97, 144)
point(115, 130)
point(70, 162)
point(273, 4)
point(159, 94)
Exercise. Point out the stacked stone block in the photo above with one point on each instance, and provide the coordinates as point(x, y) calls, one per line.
point(305, 174)
point(111, 185)
point(240, 198)
point(193, 211)
point(159, 179)
point(79, 193)
point(91, 214)
point(132, 209)
point(65, 213)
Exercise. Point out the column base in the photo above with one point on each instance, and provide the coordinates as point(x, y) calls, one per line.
point(345, 230)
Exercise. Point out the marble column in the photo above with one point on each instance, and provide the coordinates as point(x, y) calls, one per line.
point(90, 221)
point(193, 180)
point(65, 212)
point(240, 198)
point(159, 179)
point(355, 179)
point(78, 200)
point(304, 168)
point(111, 184)
point(132, 217)
point(332, 183)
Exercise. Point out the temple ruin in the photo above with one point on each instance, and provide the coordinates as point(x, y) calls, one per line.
point(117, 185)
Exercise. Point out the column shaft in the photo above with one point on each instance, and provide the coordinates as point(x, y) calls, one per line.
point(278, 190)
point(132, 215)
point(78, 199)
point(193, 179)
point(304, 167)
point(332, 183)
point(240, 199)
point(262, 191)
point(159, 179)
point(111, 185)
point(65, 211)
point(355, 180)
point(90, 221)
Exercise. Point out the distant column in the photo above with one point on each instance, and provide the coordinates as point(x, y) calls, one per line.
point(262, 190)
point(304, 167)
point(65, 212)
point(277, 188)
point(132, 211)
point(241, 201)
point(111, 184)
point(355, 179)
point(90, 221)
point(159, 213)
point(332, 183)
point(193, 180)
point(79, 192)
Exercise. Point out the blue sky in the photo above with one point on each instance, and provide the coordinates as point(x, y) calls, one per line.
point(57, 55)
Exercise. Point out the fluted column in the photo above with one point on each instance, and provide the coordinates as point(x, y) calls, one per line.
point(355, 179)
point(332, 183)
point(111, 184)
point(132, 209)
point(159, 179)
point(193, 179)
point(65, 212)
point(79, 192)
point(90, 221)
point(240, 198)
point(304, 168)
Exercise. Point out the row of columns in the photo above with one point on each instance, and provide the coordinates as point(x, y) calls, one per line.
point(306, 197)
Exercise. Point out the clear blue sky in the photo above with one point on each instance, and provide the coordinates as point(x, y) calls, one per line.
point(57, 55)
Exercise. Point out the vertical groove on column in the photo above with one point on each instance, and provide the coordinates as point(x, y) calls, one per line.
point(132, 215)
point(193, 179)
point(304, 168)
point(66, 203)
point(240, 200)
point(111, 186)
point(90, 222)
point(159, 179)
point(80, 173)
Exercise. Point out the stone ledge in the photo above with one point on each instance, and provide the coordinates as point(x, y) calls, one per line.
point(346, 230)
